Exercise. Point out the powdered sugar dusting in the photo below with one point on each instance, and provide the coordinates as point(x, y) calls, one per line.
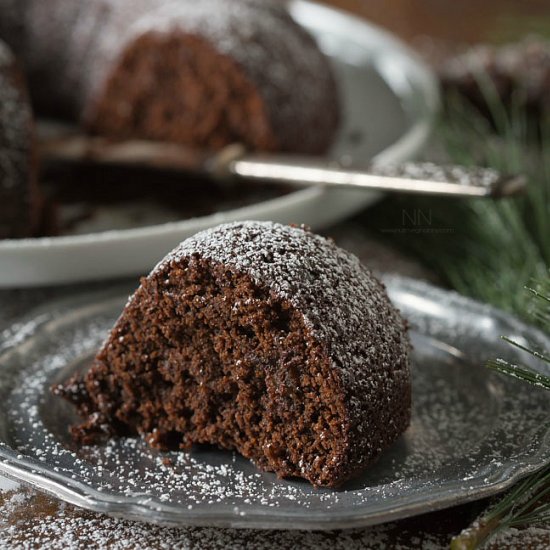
point(26, 526)
point(534, 538)
point(30, 520)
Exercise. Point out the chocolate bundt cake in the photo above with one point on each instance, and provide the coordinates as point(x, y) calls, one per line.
point(18, 208)
point(259, 337)
point(203, 73)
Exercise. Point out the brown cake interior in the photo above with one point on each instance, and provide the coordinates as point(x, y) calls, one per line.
point(203, 355)
point(205, 99)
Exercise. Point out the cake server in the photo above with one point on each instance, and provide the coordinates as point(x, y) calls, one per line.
point(235, 163)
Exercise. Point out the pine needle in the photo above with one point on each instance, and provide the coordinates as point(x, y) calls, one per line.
point(521, 373)
point(539, 310)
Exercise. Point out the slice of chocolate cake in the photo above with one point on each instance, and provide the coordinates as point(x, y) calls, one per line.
point(203, 73)
point(18, 194)
point(259, 337)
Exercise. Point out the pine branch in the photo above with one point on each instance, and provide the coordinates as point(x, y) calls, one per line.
point(521, 373)
point(490, 250)
point(533, 352)
point(539, 309)
point(499, 248)
point(528, 503)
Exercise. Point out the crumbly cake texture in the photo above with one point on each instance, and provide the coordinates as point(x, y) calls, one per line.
point(17, 182)
point(259, 337)
point(205, 73)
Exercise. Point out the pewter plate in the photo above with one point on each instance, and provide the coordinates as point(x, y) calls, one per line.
point(473, 432)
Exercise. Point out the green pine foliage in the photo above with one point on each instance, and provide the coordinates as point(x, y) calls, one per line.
point(489, 250)
point(494, 252)
point(538, 308)
point(526, 504)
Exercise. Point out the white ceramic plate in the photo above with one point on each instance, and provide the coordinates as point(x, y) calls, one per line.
point(388, 100)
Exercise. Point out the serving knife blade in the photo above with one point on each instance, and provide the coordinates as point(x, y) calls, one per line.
point(234, 163)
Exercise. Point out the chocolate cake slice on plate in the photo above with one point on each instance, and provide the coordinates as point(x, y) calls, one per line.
point(259, 337)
